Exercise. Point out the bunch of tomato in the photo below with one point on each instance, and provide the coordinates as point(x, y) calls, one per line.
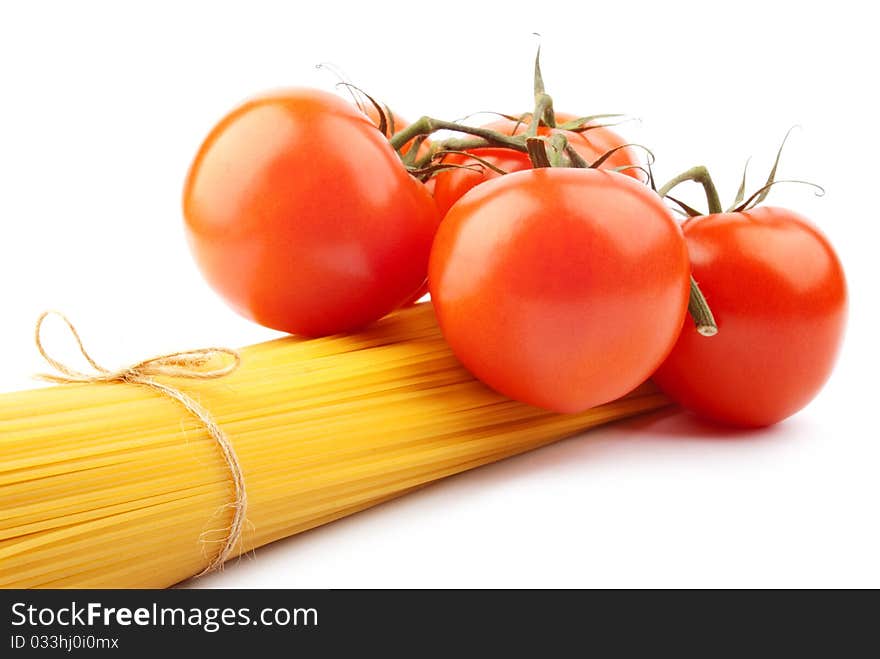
point(559, 275)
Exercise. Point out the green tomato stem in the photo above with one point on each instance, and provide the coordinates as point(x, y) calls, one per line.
point(537, 148)
point(577, 160)
point(700, 311)
point(428, 125)
point(543, 103)
point(466, 144)
point(699, 175)
point(558, 145)
point(543, 114)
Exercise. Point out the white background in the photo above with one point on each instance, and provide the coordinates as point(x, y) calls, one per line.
point(102, 106)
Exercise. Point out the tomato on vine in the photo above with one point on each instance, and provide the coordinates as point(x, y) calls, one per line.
point(301, 215)
point(778, 294)
point(560, 287)
point(588, 137)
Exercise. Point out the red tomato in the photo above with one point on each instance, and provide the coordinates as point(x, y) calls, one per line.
point(778, 294)
point(301, 215)
point(453, 183)
point(562, 288)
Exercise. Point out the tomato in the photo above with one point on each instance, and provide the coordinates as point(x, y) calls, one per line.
point(778, 294)
point(559, 287)
point(301, 215)
point(453, 183)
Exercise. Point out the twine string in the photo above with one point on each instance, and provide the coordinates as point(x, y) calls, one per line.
point(187, 364)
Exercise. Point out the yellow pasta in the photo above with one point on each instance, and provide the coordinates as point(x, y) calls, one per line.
point(114, 485)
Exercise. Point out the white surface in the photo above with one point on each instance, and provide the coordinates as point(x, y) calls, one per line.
point(104, 105)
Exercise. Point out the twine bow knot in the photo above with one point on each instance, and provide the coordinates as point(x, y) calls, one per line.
point(189, 364)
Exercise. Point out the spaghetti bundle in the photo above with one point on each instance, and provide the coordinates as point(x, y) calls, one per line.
point(115, 486)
